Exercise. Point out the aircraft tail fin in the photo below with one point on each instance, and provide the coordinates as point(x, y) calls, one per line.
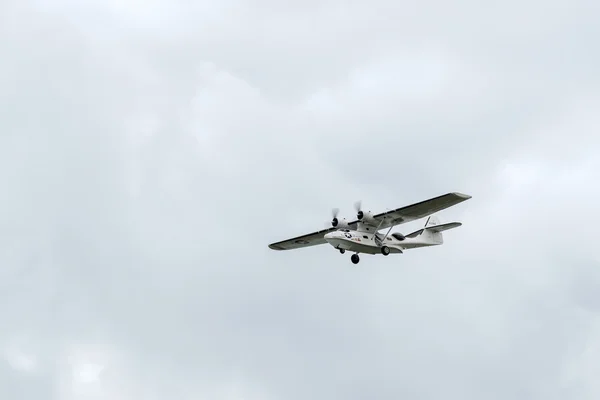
point(433, 220)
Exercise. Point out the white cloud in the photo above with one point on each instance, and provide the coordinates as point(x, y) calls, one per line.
point(149, 156)
point(20, 360)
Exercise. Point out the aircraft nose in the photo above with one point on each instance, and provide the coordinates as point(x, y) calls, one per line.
point(328, 235)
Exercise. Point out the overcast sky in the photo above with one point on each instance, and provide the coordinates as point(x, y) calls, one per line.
point(151, 150)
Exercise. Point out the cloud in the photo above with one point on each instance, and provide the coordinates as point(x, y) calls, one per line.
point(148, 157)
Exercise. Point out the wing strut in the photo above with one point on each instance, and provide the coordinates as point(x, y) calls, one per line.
point(379, 226)
point(381, 242)
point(386, 235)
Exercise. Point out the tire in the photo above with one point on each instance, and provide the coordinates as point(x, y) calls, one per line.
point(385, 250)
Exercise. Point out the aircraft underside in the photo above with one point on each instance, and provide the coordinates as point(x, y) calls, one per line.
point(347, 241)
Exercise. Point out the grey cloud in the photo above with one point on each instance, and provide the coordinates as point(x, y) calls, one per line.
point(147, 165)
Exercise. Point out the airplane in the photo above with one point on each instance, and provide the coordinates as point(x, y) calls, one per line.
point(362, 235)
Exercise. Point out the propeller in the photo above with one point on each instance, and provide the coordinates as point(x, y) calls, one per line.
point(334, 214)
point(358, 208)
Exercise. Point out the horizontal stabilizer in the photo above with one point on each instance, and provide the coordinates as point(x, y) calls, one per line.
point(443, 227)
point(434, 228)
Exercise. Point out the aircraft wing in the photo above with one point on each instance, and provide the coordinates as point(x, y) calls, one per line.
point(390, 218)
point(311, 239)
point(418, 210)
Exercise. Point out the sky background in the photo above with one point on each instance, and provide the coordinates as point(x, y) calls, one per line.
point(151, 150)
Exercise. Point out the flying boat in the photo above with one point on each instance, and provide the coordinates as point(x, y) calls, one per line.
point(363, 235)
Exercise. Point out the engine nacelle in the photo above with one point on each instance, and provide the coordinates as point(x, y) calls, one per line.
point(398, 236)
point(367, 217)
point(340, 223)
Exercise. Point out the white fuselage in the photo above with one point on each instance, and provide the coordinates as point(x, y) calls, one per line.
point(361, 242)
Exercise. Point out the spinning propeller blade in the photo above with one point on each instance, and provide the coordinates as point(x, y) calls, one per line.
point(334, 214)
point(358, 208)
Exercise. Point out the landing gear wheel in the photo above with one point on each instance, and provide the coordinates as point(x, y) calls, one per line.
point(385, 250)
point(342, 251)
point(355, 259)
